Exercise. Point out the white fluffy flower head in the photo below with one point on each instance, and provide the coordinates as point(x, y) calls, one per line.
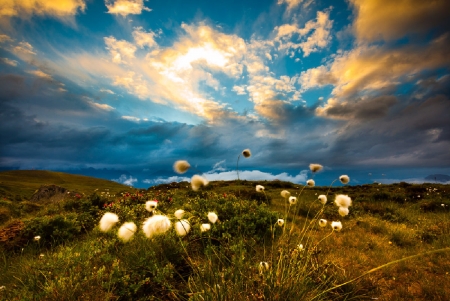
point(280, 222)
point(182, 227)
point(212, 217)
point(292, 200)
point(157, 224)
point(343, 201)
point(337, 226)
point(108, 221)
point(285, 194)
point(344, 179)
point(343, 211)
point(322, 222)
point(150, 206)
point(181, 166)
point(246, 153)
point(263, 267)
point(322, 199)
point(315, 167)
point(259, 188)
point(205, 227)
point(37, 238)
point(310, 183)
point(197, 182)
point(179, 213)
point(126, 231)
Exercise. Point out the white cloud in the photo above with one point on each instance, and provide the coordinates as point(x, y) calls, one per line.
point(5, 38)
point(107, 91)
point(131, 118)
point(101, 106)
point(121, 50)
point(40, 74)
point(8, 61)
point(123, 179)
point(126, 7)
point(25, 48)
point(143, 38)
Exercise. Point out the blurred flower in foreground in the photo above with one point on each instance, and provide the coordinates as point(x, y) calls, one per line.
point(157, 224)
point(343, 211)
point(212, 217)
point(310, 183)
point(150, 206)
point(205, 227)
point(179, 213)
point(344, 179)
point(322, 199)
point(259, 188)
point(292, 200)
point(182, 227)
point(246, 153)
point(181, 166)
point(108, 221)
point(315, 167)
point(126, 231)
point(197, 182)
point(343, 201)
point(285, 194)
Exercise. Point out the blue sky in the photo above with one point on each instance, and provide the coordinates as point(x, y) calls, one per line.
point(121, 89)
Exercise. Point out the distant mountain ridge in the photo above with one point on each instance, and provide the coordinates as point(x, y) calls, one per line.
point(438, 178)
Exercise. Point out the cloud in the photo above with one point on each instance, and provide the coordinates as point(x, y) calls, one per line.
point(57, 9)
point(5, 38)
point(142, 38)
point(101, 106)
point(291, 4)
point(126, 7)
point(391, 20)
point(7, 61)
point(121, 51)
point(131, 118)
point(25, 48)
point(123, 179)
point(40, 74)
point(107, 91)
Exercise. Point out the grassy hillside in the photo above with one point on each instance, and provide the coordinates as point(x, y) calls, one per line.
point(74, 260)
point(24, 183)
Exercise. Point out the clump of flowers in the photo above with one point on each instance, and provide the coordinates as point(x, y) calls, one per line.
point(126, 231)
point(150, 206)
point(181, 166)
point(322, 199)
point(310, 183)
point(198, 181)
point(108, 221)
point(344, 179)
point(337, 226)
point(182, 227)
point(285, 194)
point(212, 217)
point(246, 153)
point(292, 200)
point(259, 188)
point(315, 167)
point(157, 224)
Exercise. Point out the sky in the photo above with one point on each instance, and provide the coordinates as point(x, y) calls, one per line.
point(121, 89)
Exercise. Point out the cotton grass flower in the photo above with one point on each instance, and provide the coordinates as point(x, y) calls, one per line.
point(126, 231)
point(300, 247)
point(37, 238)
point(263, 267)
point(322, 199)
point(108, 221)
point(181, 166)
point(280, 222)
point(197, 182)
point(292, 200)
point(343, 211)
point(343, 201)
point(205, 227)
point(315, 167)
point(246, 153)
point(212, 217)
point(337, 226)
point(150, 206)
point(322, 222)
point(344, 179)
point(310, 183)
point(157, 224)
point(182, 227)
point(259, 188)
point(285, 194)
point(179, 213)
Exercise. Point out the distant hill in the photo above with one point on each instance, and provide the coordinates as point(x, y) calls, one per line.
point(438, 178)
point(25, 182)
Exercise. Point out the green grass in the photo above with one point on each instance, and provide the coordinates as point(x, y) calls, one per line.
point(81, 263)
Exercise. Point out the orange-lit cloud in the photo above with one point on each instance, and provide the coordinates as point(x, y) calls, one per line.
point(7, 61)
point(121, 50)
point(142, 38)
point(390, 20)
point(126, 7)
point(25, 8)
point(40, 74)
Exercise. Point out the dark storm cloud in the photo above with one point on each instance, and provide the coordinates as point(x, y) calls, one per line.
point(364, 109)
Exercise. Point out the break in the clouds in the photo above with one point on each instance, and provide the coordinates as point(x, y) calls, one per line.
point(134, 85)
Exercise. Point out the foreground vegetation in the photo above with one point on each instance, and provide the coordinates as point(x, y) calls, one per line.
point(246, 255)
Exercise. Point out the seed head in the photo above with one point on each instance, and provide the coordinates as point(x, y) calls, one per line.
point(263, 267)
point(343, 211)
point(157, 224)
point(343, 201)
point(179, 213)
point(322, 222)
point(337, 226)
point(315, 167)
point(344, 179)
point(310, 183)
point(246, 153)
point(259, 188)
point(292, 200)
point(212, 217)
point(126, 231)
point(182, 227)
point(181, 166)
point(150, 206)
point(37, 238)
point(322, 199)
point(285, 194)
point(205, 227)
point(108, 221)
point(197, 182)
point(280, 222)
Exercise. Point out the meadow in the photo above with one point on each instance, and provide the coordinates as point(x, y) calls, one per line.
point(392, 243)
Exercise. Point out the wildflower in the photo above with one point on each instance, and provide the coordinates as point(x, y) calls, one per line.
point(337, 226)
point(198, 181)
point(212, 217)
point(107, 221)
point(263, 267)
point(292, 200)
point(315, 167)
point(126, 231)
point(41, 256)
point(285, 194)
point(343, 201)
point(259, 188)
point(322, 222)
point(280, 222)
point(322, 199)
point(344, 179)
point(205, 227)
point(157, 224)
point(343, 211)
point(246, 153)
point(181, 166)
point(37, 238)
point(182, 227)
point(310, 183)
point(300, 247)
point(179, 213)
point(150, 206)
